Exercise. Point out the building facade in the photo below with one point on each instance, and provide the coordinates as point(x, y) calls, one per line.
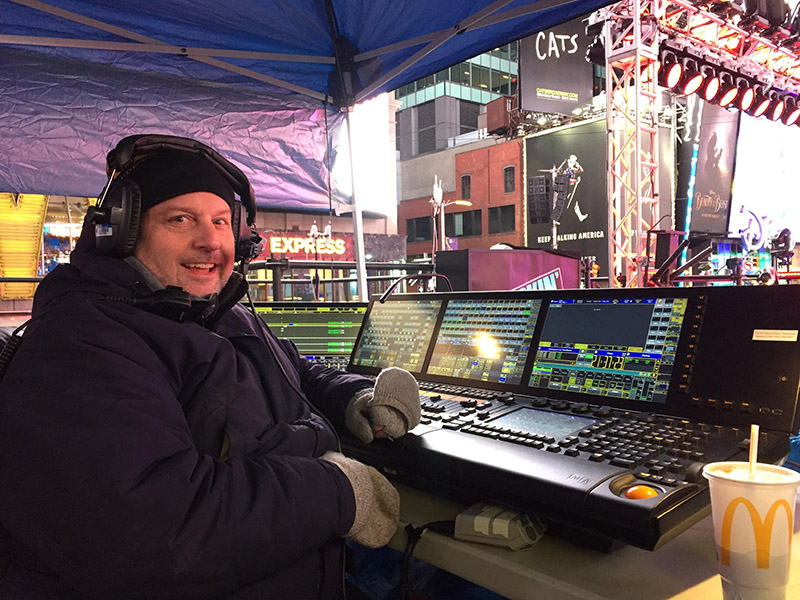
point(488, 174)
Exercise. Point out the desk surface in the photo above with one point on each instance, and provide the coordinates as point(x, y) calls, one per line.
point(683, 569)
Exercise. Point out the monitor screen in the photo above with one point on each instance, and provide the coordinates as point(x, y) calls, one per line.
point(397, 333)
point(618, 348)
point(539, 422)
point(318, 329)
point(485, 339)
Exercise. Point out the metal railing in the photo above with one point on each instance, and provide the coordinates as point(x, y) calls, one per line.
point(340, 286)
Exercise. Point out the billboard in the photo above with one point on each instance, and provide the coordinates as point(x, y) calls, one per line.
point(575, 159)
point(707, 150)
point(763, 204)
point(554, 75)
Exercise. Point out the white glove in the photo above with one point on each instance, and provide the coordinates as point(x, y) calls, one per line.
point(392, 407)
point(377, 502)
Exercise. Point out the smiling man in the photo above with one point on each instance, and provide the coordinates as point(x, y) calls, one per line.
point(157, 440)
point(187, 241)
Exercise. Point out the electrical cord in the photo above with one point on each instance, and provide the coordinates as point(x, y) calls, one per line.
point(11, 346)
point(413, 536)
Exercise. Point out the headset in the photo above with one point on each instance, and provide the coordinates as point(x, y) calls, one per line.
point(117, 215)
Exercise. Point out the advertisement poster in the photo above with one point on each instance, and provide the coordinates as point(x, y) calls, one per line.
point(764, 202)
point(576, 158)
point(554, 75)
point(712, 142)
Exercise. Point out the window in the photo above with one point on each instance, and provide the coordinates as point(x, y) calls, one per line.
point(468, 116)
point(426, 123)
point(466, 187)
point(419, 229)
point(509, 179)
point(462, 224)
point(460, 73)
point(480, 77)
point(501, 219)
point(426, 140)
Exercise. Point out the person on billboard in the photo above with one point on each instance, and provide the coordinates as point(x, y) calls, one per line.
point(157, 440)
point(571, 167)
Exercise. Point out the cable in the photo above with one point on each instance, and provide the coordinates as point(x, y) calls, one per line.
point(11, 346)
point(397, 282)
point(413, 536)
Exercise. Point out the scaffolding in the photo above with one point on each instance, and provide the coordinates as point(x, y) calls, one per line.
point(720, 36)
point(632, 107)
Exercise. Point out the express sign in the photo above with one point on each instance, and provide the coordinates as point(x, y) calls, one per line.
point(293, 245)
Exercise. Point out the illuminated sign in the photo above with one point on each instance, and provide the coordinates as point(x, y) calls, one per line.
point(761, 529)
point(303, 247)
point(306, 245)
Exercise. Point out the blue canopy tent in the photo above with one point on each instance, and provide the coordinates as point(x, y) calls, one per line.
point(257, 79)
point(261, 80)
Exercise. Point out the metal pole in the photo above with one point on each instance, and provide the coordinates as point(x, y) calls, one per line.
point(358, 225)
point(441, 225)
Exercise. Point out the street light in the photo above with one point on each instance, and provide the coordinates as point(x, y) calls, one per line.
point(439, 204)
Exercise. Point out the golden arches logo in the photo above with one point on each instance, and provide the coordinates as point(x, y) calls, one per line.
point(761, 529)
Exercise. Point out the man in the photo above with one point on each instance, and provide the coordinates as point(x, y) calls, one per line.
point(156, 439)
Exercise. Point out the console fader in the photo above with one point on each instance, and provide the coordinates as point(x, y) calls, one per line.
point(595, 409)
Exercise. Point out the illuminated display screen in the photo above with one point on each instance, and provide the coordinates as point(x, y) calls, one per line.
point(539, 422)
point(485, 340)
point(397, 334)
point(316, 329)
point(622, 348)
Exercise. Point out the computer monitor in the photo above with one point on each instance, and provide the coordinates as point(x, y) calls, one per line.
point(484, 339)
point(614, 348)
point(397, 333)
point(321, 330)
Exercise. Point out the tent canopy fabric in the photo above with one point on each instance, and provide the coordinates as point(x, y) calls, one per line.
point(261, 80)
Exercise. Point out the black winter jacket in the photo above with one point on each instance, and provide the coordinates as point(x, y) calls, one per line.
point(146, 458)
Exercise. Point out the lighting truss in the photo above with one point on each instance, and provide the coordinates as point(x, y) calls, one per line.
point(633, 108)
point(722, 40)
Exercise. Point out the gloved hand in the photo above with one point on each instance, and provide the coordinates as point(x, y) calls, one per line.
point(377, 502)
point(391, 407)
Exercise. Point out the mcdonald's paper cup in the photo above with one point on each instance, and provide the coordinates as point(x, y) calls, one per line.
point(753, 525)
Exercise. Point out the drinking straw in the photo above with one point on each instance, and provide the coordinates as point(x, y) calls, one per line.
point(753, 450)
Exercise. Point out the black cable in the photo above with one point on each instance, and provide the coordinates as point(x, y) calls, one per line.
point(413, 536)
point(410, 276)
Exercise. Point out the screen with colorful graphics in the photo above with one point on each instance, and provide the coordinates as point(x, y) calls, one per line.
point(487, 340)
point(397, 334)
point(318, 329)
point(618, 348)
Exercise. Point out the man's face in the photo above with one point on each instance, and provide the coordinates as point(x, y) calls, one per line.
point(187, 241)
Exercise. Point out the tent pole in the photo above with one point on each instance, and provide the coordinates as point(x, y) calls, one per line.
point(358, 224)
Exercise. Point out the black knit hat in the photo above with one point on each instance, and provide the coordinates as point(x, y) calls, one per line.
point(167, 174)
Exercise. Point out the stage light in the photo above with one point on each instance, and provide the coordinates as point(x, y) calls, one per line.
point(760, 104)
point(791, 113)
point(692, 78)
point(776, 107)
point(669, 71)
point(727, 91)
point(747, 96)
point(711, 84)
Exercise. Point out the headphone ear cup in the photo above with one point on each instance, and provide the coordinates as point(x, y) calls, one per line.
point(238, 224)
point(116, 222)
point(130, 219)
